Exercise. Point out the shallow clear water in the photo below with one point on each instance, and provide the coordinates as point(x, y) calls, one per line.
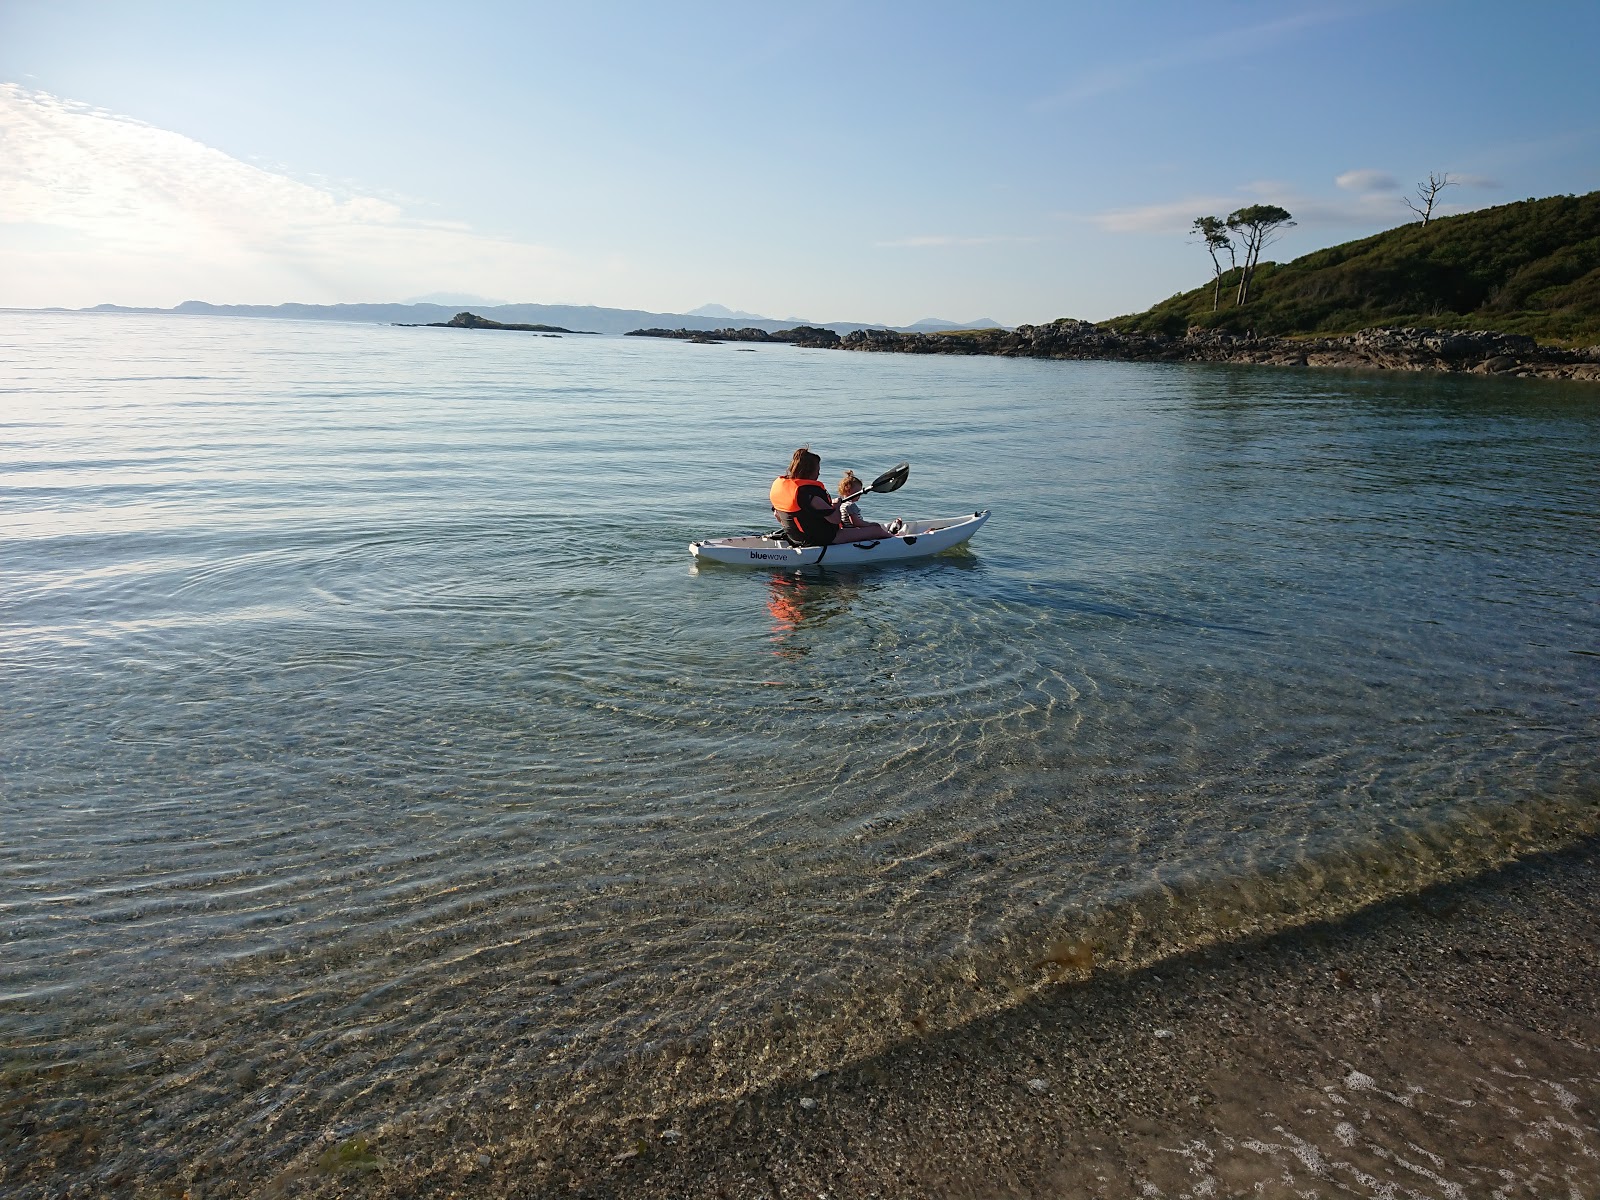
point(373, 749)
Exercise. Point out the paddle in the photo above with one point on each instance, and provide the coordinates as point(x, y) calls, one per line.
point(891, 480)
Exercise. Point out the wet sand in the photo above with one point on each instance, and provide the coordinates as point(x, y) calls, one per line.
point(1446, 1045)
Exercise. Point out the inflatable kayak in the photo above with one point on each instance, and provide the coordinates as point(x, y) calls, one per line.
point(918, 539)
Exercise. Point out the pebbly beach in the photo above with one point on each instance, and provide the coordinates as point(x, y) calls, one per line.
point(1443, 1045)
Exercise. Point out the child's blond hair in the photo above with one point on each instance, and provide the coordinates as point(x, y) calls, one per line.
point(848, 485)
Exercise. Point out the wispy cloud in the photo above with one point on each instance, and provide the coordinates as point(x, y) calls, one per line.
point(945, 239)
point(96, 206)
point(1171, 216)
point(1377, 207)
point(1225, 44)
point(1367, 180)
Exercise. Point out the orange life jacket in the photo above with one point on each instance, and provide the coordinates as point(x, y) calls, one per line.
point(785, 493)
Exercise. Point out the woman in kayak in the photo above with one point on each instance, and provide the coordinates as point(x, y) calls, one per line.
point(806, 512)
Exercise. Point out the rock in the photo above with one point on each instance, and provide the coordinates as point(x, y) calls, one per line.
point(808, 335)
point(467, 320)
point(800, 335)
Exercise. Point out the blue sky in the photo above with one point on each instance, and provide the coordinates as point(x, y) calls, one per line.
point(879, 162)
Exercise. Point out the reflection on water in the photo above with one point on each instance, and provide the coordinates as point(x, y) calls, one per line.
point(372, 751)
point(803, 602)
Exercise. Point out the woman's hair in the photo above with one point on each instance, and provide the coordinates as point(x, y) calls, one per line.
point(804, 464)
point(848, 485)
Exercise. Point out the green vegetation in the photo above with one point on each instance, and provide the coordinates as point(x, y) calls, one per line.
point(355, 1155)
point(1532, 267)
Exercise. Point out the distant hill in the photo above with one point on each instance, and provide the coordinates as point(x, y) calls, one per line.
point(458, 299)
point(573, 316)
point(1532, 268)
point(724, 314)
point(570, 316)
point(939, 325)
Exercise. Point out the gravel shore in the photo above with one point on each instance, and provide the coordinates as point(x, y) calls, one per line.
point(1447, 1045)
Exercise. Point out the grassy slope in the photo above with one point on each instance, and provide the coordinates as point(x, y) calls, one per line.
point(1532, 267)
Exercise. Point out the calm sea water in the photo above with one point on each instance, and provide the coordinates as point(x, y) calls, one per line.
point(373, 751)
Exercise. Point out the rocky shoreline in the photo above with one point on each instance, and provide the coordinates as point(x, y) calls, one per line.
point(1385, 349)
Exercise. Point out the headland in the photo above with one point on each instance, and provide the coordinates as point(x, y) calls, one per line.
point(1510, 290)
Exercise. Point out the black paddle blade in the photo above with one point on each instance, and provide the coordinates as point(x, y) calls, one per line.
point(891, 480)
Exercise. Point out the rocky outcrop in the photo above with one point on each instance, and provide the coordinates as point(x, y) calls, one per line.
point(706, 335)
point(811, 335)
point(1481, 353)
point(466, 320)
point(800, 335)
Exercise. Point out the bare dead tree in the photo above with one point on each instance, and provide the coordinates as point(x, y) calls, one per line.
point(1214, 234)
point(1428, 192)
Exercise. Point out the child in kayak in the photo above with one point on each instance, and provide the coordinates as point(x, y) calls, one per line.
point(850, 512)
point(849, 488)
point(808, 515)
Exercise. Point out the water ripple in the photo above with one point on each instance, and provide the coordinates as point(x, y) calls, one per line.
point(373, 749)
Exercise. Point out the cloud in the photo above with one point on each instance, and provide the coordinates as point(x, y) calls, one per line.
point(943, 239)
point(1173, 216)
point(1455, 178)
point(1372, 210)
point(1225, 44)
point(96, 206)
point(1368, 180)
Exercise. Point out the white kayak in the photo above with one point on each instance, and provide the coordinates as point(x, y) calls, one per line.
point(918, 539)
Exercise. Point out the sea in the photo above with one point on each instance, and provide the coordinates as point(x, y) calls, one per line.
point(375, 756)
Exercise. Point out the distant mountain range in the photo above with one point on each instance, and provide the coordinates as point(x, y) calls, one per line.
point(733, 314)
point(458, 299)
point(573, 316)
point(926, 325)
point(936, 324)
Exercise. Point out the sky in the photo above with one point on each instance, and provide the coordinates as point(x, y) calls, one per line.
point(875, 162)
